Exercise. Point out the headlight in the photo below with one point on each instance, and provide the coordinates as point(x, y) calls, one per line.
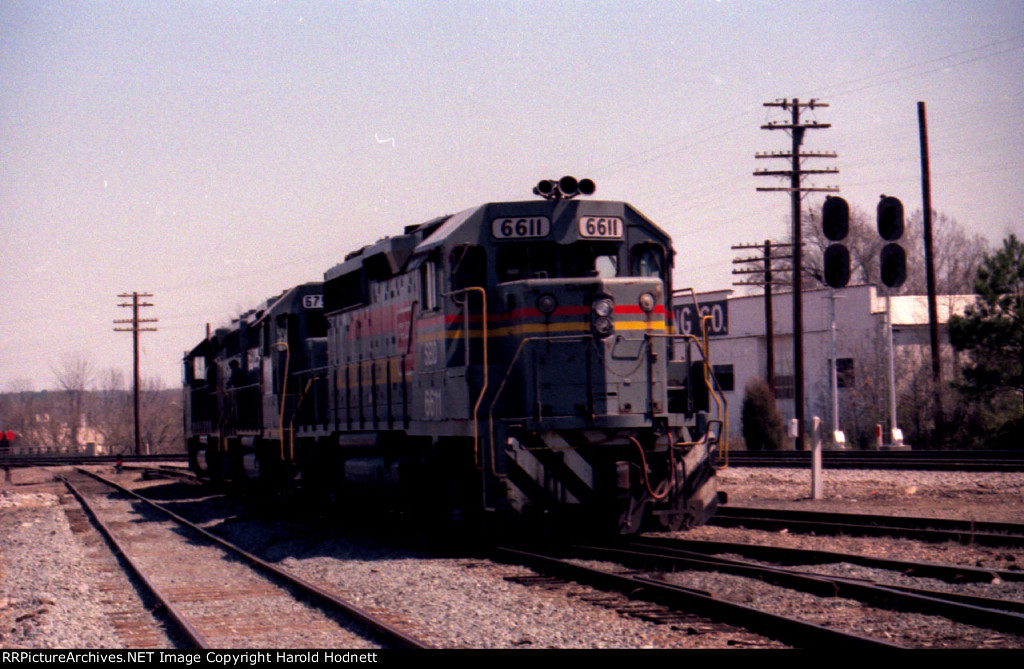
point(602, 326)
point(647, 302)
point(547, 304)
point(603, 307)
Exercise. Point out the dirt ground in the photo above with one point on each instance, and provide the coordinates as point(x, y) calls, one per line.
point(983, 496)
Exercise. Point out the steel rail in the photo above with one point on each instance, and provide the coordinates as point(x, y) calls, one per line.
point(59, 459)
point(866, 525)
point(909, 522)
point(784, 555)
point(323, 597)
point(822, 585)
point(195, 639)
point(787, 630)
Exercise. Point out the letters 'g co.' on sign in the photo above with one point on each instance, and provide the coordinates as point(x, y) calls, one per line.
point(688, 321)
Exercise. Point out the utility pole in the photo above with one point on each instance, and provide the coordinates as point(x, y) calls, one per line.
point(135, 329)
point(929, 264)
point(767, 280)
point(795, 173)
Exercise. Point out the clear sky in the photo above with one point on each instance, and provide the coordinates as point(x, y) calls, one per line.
point(216, 153)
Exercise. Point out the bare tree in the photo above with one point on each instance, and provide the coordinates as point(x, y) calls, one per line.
point(68, 417)
point(958, 255)
point(73, 376)
point(160, 409)
point(17, 411)
point(111, 414)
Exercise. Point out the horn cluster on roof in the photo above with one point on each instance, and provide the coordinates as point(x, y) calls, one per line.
point(564, 188)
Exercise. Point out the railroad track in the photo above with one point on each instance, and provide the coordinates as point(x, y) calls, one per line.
point(65, 459)
point(654, 569)
point(852, 524)
point(993, 613)
point(678, 600)
point(216, 594)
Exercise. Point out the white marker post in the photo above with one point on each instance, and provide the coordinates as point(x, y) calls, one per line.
point(816, 482)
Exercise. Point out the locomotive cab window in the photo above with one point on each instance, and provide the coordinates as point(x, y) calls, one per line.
point(469, 266)
point(590, 259)
point(198, 369)
point(519, 261)
point(316, 324)
point(647, 260)
point(428, 285)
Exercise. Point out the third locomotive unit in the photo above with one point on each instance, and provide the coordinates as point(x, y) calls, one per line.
point(515, 359)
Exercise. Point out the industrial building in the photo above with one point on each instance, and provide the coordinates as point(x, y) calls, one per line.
point(739, 353)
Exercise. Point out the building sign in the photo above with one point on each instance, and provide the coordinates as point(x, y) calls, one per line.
point(687, 319)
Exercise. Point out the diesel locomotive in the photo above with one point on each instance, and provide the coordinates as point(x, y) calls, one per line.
point(517, 359)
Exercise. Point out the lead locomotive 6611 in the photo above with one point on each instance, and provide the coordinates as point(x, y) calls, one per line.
point(516, 359)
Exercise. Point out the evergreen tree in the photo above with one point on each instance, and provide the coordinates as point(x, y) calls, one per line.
point(762, 422)
point(991, 335)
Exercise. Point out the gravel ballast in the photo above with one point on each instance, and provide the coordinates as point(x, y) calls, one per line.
point(51, 594)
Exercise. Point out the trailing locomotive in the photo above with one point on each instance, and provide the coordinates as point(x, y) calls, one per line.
point(517, 358)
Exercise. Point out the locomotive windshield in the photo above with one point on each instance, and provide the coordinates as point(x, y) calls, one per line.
point(583, 259)
point(550, 260)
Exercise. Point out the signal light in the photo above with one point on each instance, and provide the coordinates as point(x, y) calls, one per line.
point(837, 265)
point(894, 265)
point(835, 218)
point(890, 218)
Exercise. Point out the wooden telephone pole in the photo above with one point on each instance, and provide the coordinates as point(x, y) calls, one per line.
point(796, 189)
point(135, 329)
point(767, 279)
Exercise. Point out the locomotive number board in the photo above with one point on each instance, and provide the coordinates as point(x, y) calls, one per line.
point(526, 227)
point(600, 227)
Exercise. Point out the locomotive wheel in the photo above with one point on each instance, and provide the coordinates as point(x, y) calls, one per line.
point(234, 469)
point(272, 478)
point(214, 464)
point(196, 463)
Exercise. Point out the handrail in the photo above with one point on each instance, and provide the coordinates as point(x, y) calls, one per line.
point(282, 345)
point(480, 397)
point(721, 405)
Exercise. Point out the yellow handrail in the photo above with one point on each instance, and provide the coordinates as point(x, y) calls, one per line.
point(722, 409)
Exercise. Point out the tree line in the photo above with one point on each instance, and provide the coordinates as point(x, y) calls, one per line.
point(87, 407)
